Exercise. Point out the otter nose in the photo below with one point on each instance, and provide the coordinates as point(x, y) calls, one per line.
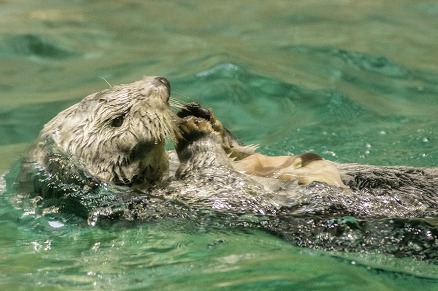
point(162, 81)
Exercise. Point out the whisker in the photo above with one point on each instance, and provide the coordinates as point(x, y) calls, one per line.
point(106, 82)
point(182, 96)
point(176, 100)
point(176, 103)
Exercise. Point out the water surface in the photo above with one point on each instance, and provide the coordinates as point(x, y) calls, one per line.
point(355, 81)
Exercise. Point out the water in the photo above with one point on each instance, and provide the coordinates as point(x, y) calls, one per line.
point(353, 81)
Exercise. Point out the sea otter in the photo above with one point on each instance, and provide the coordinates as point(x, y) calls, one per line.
point(104, 159)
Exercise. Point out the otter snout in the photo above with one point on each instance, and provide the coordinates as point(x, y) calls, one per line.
point(160, 82)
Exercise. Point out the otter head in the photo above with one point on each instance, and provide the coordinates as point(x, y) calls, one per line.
point(119, 134)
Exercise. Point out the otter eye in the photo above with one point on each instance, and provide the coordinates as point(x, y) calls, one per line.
point(118, 121)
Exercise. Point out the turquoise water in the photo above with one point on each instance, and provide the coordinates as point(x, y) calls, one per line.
point(353, 81)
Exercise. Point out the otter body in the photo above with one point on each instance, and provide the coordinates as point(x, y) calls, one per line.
point(104, 159)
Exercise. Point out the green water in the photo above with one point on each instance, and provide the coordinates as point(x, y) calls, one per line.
point(356, 81)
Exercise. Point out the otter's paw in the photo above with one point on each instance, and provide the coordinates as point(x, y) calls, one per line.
point(232, 146)
point(195, 126)
point(196, 110)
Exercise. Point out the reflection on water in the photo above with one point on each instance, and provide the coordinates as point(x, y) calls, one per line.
point(355, 81)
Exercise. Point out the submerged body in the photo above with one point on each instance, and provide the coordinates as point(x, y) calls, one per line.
point(113, 166)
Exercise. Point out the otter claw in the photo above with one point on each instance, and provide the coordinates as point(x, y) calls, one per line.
point(193, 124)
point(196, 110)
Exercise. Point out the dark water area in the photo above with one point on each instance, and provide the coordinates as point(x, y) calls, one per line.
point(355, 81)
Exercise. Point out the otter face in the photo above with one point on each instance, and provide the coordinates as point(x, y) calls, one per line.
point(119, 134)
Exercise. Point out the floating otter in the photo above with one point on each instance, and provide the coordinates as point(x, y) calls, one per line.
point(104, 159)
